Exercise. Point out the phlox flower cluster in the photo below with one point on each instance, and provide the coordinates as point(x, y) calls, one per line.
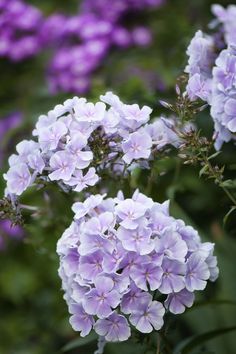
point(77, 140)
point(19, 30)
point(120, 256)
point(86, 39)
point(80, 42)
point(212, 71)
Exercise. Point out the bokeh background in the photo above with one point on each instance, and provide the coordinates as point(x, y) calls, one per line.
point(141, 64)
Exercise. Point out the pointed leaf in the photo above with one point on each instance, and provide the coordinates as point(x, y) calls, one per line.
point(191, 343)
point(79, 342)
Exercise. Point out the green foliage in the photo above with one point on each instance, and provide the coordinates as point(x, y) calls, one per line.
point(34, 317)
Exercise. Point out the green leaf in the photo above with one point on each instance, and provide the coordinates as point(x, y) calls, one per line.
point(228, 214)
point(203, 171)
point(80, 342)
point(229, 183)
point(214, 155)
point(212, 303)
point(191, 343)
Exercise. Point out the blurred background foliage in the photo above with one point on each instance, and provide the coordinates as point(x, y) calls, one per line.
point(33, 314)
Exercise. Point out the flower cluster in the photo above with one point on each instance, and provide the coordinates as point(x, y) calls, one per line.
point(19, 30)
point(212, 68)
point(120, 256)
point(86, 39)
point(79, 139)
point(81, 42)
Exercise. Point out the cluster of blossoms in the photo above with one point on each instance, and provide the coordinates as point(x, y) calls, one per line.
point(212, 72)
point(78, 140)
point(119, 256)
point(19, 30)
point(87, 38)
point(80, 42)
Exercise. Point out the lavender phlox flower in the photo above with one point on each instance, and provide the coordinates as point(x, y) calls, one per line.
point(177, 302)
point(173, 272)
point(197, 273)
point(63, 166)
point(79, 135)
point(18, 178)
point(137, 146)
point(80, 320)
point(81, 181)
point(108, 268)
point(115, 328)
point(100, 300)
point(147, 316)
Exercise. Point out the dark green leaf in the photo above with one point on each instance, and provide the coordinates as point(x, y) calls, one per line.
point(80, 342)
point(228, 214)
point(203, 170)
point(214, 155)
point(191, 343)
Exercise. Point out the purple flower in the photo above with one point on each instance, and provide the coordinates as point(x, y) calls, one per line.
point(132, 300)
point(115, 328)
point(105, 266)
point(81, 181)
point(172, 276)
point(146, 274)
point(102, 299)
point(80, 320)
point(149, 314)
point(91, 265)
point(130, 212)
point(137, 240)
point(197, 273)
point(18, 179)
point(49, 136)
point(63, 166)
point(176, 302)
point(171, 244)
point(137, 146)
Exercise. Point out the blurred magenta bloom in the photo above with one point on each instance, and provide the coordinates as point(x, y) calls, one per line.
point(19, 30)
point(8, 231)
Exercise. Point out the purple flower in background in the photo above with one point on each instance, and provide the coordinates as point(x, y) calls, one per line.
point(19, 31)
point(115, 328)
point(9, 231)
point(149, 314)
